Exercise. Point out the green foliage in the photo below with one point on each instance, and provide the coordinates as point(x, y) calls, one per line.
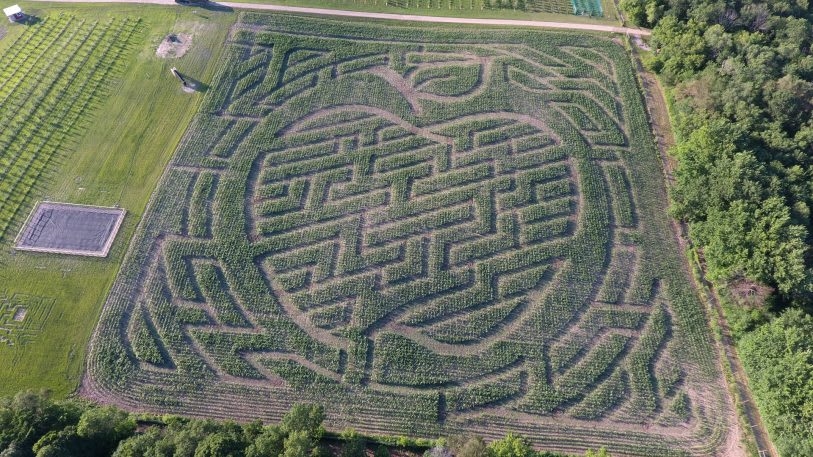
point(105, 427)
point(742, 84)
point(468, 446)
point(204, 438)
point(140, 445)
point(599, 453)
point(778, 358)
point(298, 444)
point(28, 416)
point(713, 173)
point(62, 443)
point(381, 451)
point(742, 231)
point(355, 445)
point(270, 442)
point(760, 242)
point(510, 446)
point(681, 49)
point(643, 12)
point(72, 428)
point(226, 443)
point(306, 418)
point(742, 81)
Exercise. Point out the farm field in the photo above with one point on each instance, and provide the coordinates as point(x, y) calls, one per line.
point(427, 238)
point(52, 76)
point(95, 125)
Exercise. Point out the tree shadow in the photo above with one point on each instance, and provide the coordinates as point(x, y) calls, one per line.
point(30, 20)
point(213, 6)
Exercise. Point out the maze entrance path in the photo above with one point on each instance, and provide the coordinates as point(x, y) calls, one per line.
point(427, 238)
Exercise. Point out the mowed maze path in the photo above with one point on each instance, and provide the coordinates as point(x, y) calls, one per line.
point(428, 238)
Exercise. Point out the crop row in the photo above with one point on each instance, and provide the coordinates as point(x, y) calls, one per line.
point(60, 76)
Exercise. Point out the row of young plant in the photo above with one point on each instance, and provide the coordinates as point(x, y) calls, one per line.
point(323, 254)
point(223, 310)
point(200, 206)
point(594, 323)
point(571, 386)
point(401, 361)
point(50, 99)
point(619, 274)
point(649, 194)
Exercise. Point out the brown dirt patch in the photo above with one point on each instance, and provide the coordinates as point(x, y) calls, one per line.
point(174, 45)
point(19, 314)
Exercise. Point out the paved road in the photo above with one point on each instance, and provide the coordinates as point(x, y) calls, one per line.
point(399, 17)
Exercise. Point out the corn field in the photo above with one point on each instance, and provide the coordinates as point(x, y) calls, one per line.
point(429, 238)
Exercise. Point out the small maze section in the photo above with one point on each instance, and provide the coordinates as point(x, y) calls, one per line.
point(466, 237)
point(51, 79)
point(22, 317)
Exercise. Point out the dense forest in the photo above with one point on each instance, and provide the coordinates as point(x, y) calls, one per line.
point(739, 79)
point(33, 424)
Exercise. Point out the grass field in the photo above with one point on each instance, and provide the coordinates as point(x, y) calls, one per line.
point(429, 238)
point(107, 150)
point(53, 75)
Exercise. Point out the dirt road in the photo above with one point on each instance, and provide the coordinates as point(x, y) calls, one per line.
point(398, 17)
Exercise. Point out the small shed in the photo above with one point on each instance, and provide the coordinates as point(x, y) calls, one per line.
point(14, 13)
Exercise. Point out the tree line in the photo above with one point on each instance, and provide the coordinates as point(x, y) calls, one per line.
point(739, 80)
point(741, 86)
point(32, 424)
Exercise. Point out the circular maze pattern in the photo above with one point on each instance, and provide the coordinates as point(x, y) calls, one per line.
point(467, 237)
point(437, 233)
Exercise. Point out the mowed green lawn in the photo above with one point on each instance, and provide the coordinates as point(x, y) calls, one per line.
point(129, 139)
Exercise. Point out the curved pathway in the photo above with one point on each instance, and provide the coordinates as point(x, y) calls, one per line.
point(398, 17)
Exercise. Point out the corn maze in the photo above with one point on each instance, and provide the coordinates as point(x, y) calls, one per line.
point(52, 78)
point(426, 238)
point(22, 317)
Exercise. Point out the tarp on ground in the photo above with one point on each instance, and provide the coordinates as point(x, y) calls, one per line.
point(70, 229)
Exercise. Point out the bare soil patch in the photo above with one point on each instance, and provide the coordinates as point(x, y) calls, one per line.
point(19, 315)
point(174, 45)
